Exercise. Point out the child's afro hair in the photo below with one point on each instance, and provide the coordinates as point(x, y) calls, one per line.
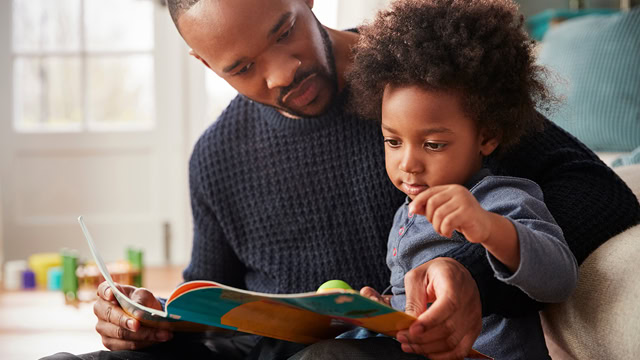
point(475, 48)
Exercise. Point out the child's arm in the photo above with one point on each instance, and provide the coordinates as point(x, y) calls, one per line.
point(545, 268)
point(453, 207)
point(503, 242)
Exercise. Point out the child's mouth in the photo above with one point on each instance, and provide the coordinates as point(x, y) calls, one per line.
point(413, 189)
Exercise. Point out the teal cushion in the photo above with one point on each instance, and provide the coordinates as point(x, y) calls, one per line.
point(630, 159)
point(538, 24)
point(598, 59)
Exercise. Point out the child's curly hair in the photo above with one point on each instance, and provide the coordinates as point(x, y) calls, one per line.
point(477, 48)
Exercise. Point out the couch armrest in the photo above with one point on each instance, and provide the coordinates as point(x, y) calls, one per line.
point(601, 320)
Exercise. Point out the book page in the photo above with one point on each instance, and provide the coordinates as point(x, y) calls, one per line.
point(132, 308)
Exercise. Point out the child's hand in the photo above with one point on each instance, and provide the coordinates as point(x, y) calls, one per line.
point(372, 294)
point(453, 207)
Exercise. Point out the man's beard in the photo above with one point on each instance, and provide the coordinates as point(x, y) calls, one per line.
point(329, 76)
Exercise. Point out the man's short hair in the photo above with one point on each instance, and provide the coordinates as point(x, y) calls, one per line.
point(179, 7)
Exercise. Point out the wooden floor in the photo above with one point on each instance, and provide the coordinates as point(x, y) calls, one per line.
point(37, 323)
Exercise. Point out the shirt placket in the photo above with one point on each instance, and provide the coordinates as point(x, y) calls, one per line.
point(402, 231)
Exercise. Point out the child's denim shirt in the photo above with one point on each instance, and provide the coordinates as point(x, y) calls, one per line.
point(413, 241)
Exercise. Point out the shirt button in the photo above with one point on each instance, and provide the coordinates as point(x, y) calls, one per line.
point(410, 215)
point(395, 251)
point(401, 230)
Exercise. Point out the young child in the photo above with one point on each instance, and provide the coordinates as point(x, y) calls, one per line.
point(455, 82)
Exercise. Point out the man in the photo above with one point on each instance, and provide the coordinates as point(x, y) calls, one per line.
point(288, 191)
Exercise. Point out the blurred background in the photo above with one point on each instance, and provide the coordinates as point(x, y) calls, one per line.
point(100, 106)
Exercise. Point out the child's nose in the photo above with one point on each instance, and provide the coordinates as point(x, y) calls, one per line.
point(410, 162)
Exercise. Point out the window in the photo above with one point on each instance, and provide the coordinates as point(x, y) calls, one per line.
point(83, 65)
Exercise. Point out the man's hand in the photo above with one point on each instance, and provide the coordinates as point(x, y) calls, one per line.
point(450, 326)
point(119, 331)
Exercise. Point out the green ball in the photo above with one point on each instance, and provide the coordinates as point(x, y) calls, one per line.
point(334, 284)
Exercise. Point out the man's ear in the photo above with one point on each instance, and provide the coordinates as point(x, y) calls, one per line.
point(488, 142)
point(195, 55)
point(309, 3)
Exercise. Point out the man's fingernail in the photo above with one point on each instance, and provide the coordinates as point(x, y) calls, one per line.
point(407, 348)
point(130, 324)
point(402, 338)
point(163, 335)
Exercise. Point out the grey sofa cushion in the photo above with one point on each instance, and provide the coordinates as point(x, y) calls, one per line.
point(601, 320)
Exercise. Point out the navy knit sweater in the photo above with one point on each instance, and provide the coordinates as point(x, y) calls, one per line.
point(281, 205)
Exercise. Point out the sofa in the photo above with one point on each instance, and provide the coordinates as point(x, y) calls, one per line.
point(601, 320)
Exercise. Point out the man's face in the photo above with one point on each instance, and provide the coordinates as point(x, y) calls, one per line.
point(274, 52)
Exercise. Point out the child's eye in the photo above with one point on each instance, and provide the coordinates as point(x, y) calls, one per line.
point(392, 143)
point(434, 146)
point(244, 69)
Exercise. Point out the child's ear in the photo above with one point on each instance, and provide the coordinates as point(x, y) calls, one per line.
point(488, 142)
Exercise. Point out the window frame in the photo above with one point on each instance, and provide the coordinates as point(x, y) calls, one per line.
point(84, 56)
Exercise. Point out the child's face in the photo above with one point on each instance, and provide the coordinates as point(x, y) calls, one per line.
point(429, 141)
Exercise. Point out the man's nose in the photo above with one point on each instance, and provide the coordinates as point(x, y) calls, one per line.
point(281, 71)
point(410, 162)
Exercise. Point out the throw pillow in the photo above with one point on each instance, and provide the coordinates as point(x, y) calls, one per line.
point(598, 58)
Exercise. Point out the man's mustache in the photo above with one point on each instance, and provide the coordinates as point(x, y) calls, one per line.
point(297, 79)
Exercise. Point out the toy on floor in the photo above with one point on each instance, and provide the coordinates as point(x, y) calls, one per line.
point(64, 272)
point(82, 280)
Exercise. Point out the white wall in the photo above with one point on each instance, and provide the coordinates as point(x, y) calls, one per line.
point(1, 236)
point(352, 13)
point(5, 100)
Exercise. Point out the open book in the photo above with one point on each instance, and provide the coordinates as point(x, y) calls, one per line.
point(303, 318)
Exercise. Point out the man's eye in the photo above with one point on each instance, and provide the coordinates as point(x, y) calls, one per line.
point(285, 34)
point(434, 146)
point(244, 69)
point(392, 143)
